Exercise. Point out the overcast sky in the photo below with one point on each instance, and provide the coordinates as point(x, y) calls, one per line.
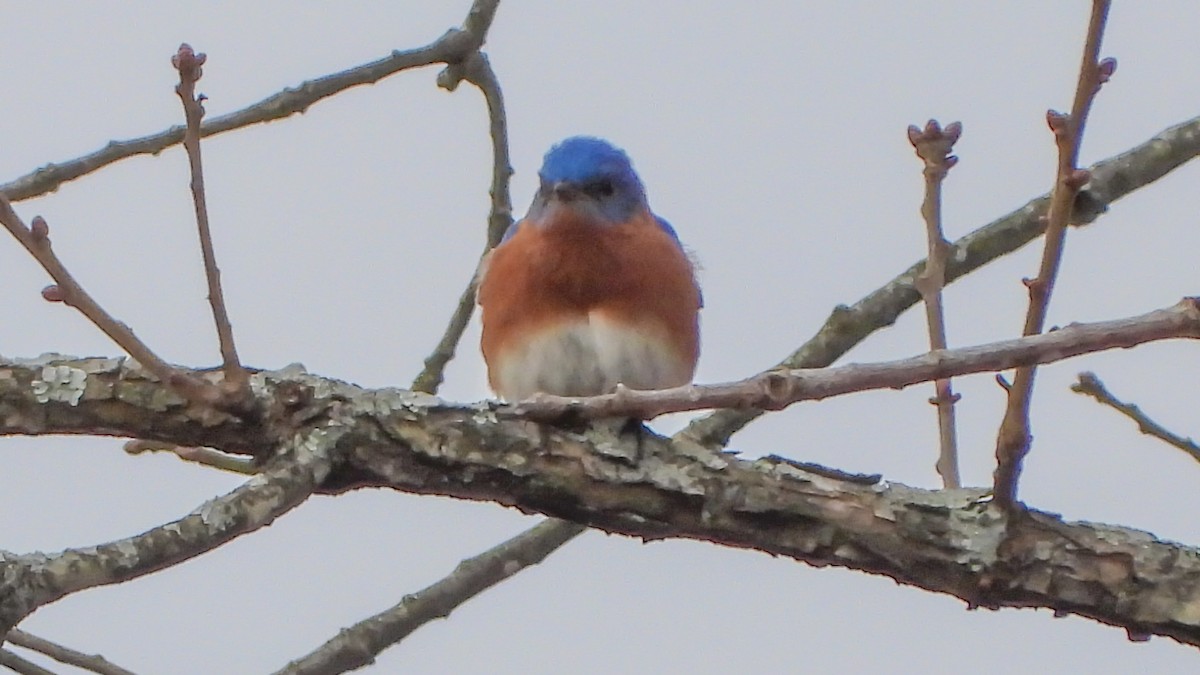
point(771, 134)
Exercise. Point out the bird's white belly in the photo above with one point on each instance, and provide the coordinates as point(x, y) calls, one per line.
point(590, 357)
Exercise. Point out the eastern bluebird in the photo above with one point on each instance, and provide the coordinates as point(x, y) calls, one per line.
point(590, 289)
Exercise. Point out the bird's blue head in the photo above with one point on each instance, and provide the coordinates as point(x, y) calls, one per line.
point(590, 176)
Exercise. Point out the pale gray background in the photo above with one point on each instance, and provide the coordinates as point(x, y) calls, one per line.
point(770, 134)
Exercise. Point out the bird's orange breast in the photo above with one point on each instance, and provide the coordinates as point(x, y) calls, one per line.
point(632, 276)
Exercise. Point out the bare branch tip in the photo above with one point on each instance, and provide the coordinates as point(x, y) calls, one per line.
point(188, 62)
point(933, 142)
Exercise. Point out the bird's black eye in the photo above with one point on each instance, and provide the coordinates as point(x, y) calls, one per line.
point(600, 188)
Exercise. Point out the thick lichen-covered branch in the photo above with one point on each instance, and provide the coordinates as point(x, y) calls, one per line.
point(955, 542)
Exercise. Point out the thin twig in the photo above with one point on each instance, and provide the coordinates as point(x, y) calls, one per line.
point(478, 71)
point(454, 45)
point(933, 146)
point(778, 389)
point(196, 455)
point(21, 666)
point(848, 325)
point(67, 290)
point(190, 67)
point(358, 645)
point(1090, 385)
point(1014, 439)
point(91, 662)
point(432, 374)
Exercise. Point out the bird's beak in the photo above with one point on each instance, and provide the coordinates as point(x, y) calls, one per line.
point(565, 191)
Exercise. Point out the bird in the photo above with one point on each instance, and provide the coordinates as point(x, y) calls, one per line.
point(590, 290)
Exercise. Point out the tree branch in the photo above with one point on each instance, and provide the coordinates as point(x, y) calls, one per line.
point(33, 580)
point(196, 455)
point(933, 146)
point(775, 390)
point(846, 326)
point(476, 70)
point(21, 666)
point(1014, 439)
point(1090, 385)
point(109, 396)
point(357, 646)
point(454, 46)
point(90, 662)
point(951, 541)
point(190, 67)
